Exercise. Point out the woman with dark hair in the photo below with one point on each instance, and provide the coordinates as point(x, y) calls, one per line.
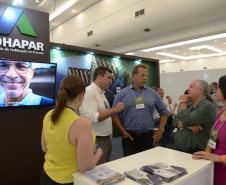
point(216, 147)
point(67, 139)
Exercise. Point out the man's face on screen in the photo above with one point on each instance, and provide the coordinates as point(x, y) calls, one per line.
point(15, 78)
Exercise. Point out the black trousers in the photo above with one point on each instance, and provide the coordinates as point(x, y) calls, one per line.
point(140, 143)
point(46, 180)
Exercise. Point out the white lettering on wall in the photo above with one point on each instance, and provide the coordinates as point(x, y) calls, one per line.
point(32, 45)
point(24, 43)
point(5, 42)
point(40, 46)
point(21, 44)
point(16, 43)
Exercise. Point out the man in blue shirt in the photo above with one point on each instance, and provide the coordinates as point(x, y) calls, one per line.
point(15, 78)
point(137, 124)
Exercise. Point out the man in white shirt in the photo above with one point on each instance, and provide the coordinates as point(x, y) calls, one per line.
point(95, 107)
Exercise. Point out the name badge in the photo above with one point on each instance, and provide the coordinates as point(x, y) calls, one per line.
point(106, 105)
point(213, 139)
point(140, 106)
point(212, 144)
point(139, 102)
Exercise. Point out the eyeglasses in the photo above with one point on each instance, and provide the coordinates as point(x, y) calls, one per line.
point(20, 67)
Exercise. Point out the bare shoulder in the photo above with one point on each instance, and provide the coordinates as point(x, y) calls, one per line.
point(83, 123)
point(81, 126)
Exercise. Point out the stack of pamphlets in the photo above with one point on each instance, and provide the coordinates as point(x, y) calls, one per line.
point(164, 171)
point(104, 175)
point(142, 177)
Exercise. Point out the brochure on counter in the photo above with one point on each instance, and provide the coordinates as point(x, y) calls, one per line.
point(164, 171)
point(104, 175)
point(142, 177)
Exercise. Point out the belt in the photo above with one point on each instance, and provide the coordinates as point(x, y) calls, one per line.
point(139, 134)
point(100, 137)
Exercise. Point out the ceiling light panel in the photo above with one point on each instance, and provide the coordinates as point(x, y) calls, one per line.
point(63, 8)
point(223, 35)
point(206, 47)
point(191, 57)
point(166, 61)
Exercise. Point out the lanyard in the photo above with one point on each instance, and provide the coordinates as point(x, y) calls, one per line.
point(70, 108)
point(213, 135)
point(216, 123)
point(138, 92)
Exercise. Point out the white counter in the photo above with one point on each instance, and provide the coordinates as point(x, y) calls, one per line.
point(200, 172)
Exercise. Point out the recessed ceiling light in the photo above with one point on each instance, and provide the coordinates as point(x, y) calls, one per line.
point(37, 1)
point(54, 24)
point(73, 11)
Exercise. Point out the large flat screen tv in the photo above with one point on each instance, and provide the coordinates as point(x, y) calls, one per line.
point(25, 83)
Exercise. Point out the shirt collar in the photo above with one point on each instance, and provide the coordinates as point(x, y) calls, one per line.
point(29, 99)
point(132, 87)
point(97, 88)
point(200, 103)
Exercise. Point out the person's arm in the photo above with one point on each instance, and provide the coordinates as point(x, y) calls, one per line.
point(203, 114)
point(163, 112)
point(176, 121)
point(118, 124)
point(174, 106)
point(43, 142)
point(81, 136)
point(158, 134)
point(173, 110)
point(208, 148)
point(90, 108)
point(106, 114)
point(207, 154)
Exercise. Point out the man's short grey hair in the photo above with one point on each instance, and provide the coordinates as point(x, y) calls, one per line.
point(203, 84)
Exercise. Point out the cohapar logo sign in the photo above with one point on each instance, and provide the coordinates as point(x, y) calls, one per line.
point(9, 20)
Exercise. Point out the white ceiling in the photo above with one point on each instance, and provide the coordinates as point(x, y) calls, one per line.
point(116, 29)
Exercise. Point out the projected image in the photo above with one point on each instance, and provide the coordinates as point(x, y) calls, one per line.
point(26, 83)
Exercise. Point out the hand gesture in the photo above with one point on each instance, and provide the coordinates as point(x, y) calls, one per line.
point(183, 98)
point(127, 135)
point(157, 136)
point(119, 107)
point(195, 129)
